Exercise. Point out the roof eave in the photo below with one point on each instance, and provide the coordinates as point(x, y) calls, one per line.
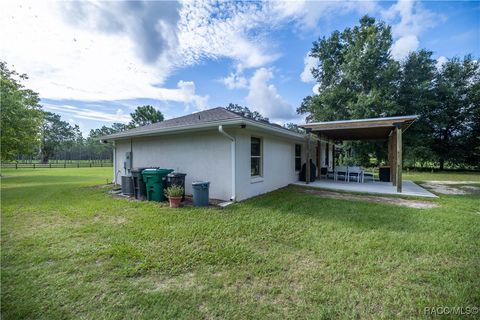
point(410, 117)
point(211, 124)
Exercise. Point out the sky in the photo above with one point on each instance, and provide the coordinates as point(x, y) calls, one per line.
point(95, 62)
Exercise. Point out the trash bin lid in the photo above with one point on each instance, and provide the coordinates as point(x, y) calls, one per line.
point(177, 174)
point(150, 171)
point(164, 171)
point(200, 183)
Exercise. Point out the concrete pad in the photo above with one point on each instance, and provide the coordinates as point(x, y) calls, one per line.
point(409, 188)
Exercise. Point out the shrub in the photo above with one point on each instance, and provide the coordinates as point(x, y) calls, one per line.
point(174, 191)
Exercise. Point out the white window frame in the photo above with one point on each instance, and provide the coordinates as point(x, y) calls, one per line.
point(260, 175)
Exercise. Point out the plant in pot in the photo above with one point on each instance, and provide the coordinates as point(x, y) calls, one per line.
point(174, 194)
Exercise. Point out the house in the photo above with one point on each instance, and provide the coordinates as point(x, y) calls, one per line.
point(240, 157)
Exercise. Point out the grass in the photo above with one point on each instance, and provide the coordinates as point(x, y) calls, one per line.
point(73, 251)
point(442, 176)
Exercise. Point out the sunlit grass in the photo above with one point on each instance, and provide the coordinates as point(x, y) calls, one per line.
point(73, 251)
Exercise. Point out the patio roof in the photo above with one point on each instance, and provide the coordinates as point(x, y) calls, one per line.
point(361, 129)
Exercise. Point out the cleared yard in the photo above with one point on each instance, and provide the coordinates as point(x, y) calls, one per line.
point(72, 251)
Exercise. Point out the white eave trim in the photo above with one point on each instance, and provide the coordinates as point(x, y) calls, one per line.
point(207, 125)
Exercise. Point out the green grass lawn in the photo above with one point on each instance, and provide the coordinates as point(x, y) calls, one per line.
point(442, 176)
point(73, 251)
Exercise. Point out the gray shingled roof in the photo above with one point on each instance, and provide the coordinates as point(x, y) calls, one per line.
point(202, 117)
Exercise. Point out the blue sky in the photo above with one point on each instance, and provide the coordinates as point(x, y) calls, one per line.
point(94, 62)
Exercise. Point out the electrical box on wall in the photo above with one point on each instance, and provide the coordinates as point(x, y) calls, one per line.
point(128, 161)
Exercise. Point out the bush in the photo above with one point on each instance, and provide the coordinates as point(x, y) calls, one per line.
point(174, 191)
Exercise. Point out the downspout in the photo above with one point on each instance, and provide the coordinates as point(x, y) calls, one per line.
point(114, 163)
point(232, 154)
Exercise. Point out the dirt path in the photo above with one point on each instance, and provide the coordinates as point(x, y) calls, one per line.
point(452, 187)
point(417, 204)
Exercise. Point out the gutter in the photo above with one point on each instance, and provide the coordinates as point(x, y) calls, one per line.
point(232, 154)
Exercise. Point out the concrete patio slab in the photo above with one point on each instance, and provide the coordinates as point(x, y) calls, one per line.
point(376, 187)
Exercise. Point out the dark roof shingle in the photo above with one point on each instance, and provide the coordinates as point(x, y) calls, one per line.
point(202, 117)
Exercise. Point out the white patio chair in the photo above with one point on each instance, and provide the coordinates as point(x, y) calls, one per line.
point(368, 176)
point(356, 172)
point(341, 171)
point(330, 174)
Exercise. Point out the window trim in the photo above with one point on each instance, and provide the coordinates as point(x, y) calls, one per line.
point(295, 157)
point(260, 175)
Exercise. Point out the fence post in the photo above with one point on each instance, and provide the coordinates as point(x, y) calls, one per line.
point(78, 164)
point(16, 165)
point(50, 165)
point(34, 165)
point(90, 164)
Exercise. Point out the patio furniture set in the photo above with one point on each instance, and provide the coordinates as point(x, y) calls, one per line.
point(347, 174)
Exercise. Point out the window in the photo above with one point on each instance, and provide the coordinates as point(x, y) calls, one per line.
point(255, 157)
point(298, 157)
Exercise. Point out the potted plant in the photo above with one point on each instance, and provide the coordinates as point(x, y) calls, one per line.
point(174, 194)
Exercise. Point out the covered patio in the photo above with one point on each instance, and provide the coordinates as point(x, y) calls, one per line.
point(388, 128)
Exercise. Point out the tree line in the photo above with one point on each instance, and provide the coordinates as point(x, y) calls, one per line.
point(358, 78)
point(30, 133)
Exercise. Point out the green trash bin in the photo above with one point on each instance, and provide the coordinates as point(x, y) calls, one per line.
point(155, 183)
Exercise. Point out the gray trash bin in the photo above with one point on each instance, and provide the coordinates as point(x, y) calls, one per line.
point(200, 193)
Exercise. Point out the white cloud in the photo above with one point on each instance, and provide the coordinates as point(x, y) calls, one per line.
point(264, 98)
point(403, 46)
point(441, 61)
point(310, 63)
point(88, 114)
point(224, 29)
point(74, 61)
point(315, 88)
point(235, 81)
point(408, 19)
point(306, 14)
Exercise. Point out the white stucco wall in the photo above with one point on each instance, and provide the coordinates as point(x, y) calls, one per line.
point(206, 155)
point(201, 155)
point(278, 163)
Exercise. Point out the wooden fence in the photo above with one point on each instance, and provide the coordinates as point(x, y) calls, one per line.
point(79, 164)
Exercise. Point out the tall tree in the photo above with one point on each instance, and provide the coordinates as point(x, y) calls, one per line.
point(56, 134)
point(144, 115)
point(20, 115)
point(356, 74)
point(453, 118)
point(356, 78)
point(416, 96)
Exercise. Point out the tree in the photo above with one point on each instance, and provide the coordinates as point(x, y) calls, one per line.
point(246, 112)
point(56, 134)
point(416, 96)
point(453, 118)
point(21, 115)
point(144, 115)
point(356, 74)
point(357, 78)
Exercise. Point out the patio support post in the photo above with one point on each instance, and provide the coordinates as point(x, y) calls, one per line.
point(307, 156)
point(319, 146)
point(399, 162)
point(393, 164)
